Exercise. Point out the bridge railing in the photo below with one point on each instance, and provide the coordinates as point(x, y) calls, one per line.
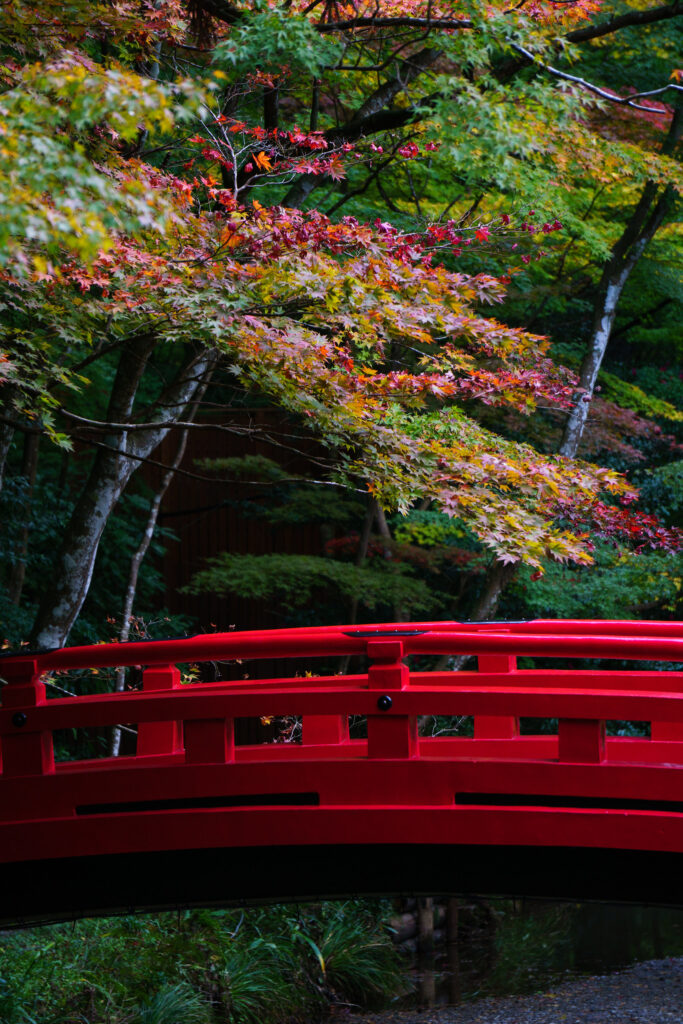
point(189, 785)
point(196, 721)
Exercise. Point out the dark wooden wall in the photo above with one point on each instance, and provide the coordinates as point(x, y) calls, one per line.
point(195, 510)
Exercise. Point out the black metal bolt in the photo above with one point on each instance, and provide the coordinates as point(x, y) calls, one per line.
point(19, 719)
point(384, 702)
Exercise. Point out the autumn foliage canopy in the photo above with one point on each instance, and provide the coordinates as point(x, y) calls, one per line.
point(161, 169)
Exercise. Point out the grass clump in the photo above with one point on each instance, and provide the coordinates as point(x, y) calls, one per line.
point(273, 965)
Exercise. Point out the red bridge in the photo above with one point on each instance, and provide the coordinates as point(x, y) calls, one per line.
point(193, 818)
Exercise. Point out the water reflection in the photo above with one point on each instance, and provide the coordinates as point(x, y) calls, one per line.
point(509, 947)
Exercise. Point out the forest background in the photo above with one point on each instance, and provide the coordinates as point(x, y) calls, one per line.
point(211, 210)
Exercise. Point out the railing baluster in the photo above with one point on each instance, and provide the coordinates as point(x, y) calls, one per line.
point(389, 735)
point(493, 727)
point(325, 729)
point(209, 740)
point(25, 752)
point(581, 740)
point(160, 737)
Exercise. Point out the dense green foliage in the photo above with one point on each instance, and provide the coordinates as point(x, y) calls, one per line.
point(197, 967)
point(295, 579)
point(295, 964)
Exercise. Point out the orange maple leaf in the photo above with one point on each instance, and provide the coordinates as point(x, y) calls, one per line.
point(263, 161)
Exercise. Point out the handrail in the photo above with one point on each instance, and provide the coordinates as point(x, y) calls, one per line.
point(417, 638)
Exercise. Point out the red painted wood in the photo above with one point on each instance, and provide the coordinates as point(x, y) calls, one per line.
point(496, 726)
point(581, 740)
point(30, 753)
point(576, 788)
point(191, 703)
point(209, 740)
point(240, 827)
point(160, 737)
point(325, 729)
point(390, 734)
point(666, 730)
point(290, 643)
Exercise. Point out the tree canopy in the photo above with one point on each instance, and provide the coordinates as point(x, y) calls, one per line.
point(322, 204)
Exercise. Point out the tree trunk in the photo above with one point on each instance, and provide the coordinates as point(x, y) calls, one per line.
point(497, 579)
point(139, 556)
point(425, 924)
point(641, 227)
point(6, 434)
point(646, 219)
point(453, 954)
point(361, 556)
point(112, 469)
point(425, 951)
point(385, 533)
point(614, 277)
point(28, 471)
point(362, 553)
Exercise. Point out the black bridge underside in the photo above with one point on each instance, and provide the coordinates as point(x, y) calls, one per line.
point(36, 892)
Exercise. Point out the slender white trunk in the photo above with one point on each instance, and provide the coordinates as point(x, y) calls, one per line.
point(590, 368)
point(139, 556)
point(108, 478)
point(640, 229)
point(131, 590)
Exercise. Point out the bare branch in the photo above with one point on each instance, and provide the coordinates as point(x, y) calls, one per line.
point(396, 22)
point(226, 12)
point(626, 101)
point(604, 28)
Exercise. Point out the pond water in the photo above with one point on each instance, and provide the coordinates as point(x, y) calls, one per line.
point(506, 947)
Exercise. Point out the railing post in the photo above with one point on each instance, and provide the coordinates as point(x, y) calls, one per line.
point(24, 752)
point(496, 727)
point(389, 735)
point(325, 729)
point(160, 737)
point(581, 740)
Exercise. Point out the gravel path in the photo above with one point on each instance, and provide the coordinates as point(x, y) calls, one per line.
point(649, 993)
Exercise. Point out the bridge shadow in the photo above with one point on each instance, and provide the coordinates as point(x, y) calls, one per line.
point(67, 888)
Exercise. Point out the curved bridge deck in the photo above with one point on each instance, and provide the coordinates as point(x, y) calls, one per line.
point(192, 817)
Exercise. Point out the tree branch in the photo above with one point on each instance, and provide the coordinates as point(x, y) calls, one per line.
point(365, 121)
point(625, 100)
point(605, 28)
point(396, 22)
point(224, 11)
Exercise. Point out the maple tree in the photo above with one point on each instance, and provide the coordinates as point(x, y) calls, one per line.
point(158, 234)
